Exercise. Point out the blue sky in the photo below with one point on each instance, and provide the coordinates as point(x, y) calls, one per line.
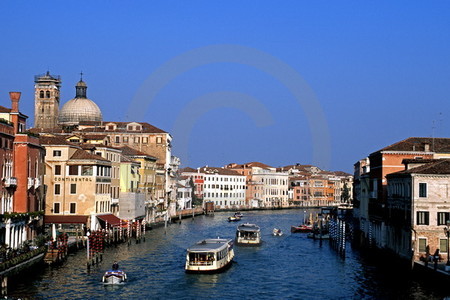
point(379, 71)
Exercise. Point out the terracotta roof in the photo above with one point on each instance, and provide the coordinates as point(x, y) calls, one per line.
point(128, 151)
point(188, 170)
point(440, 166)
point(418, 144)
point(45, 130)
point(4, 109)
point(121, 127)
point(94, 136)
point(126, 159)
point(342, 173)
point(54, 140)
point(248, 165)
point(82, 154)
point(220, 171)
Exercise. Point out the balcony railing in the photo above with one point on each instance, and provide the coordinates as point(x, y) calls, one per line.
point(10, 181)
point(30, 182)
point(37, 183)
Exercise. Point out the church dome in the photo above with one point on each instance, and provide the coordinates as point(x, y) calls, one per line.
point(80, 108)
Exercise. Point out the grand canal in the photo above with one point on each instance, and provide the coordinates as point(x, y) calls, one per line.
point(287, 267)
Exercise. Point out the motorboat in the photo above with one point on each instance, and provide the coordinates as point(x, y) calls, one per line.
point(238, 214)
point(302, 228)
point(209, 256)
point(277, 232)
point(248, 234)
point(234, 219)
point(114, 277)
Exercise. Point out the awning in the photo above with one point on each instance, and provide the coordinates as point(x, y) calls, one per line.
point(65, 219)
point(110, 219)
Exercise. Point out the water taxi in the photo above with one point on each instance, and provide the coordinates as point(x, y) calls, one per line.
point(209, 256)
point(248, 234)
point(114, 277)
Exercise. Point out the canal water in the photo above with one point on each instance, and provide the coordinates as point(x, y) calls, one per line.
point(287, 267)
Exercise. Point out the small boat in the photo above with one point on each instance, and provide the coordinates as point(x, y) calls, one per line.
point(209, 256)
point(248, 234)
point(277, 232)
point(234, 219)
point(238, 214)
point(302, 228)
point(114, 277)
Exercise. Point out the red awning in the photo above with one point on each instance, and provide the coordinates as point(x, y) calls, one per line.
point(65, 219)
point(110, 219)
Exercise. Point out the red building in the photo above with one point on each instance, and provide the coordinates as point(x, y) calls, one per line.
point(21, 163)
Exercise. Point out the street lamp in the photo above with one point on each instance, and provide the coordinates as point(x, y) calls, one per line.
point(447, 233)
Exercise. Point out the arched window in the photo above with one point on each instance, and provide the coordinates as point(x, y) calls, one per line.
point(41, 94)
point(48, 94)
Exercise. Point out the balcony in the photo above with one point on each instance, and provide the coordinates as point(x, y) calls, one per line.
point(10, 181)
point(37, 183)
point(30, 182)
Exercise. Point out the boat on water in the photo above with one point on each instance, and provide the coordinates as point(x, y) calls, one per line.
point(234, 219)
point(248, 234)
point(277, 232)
point(114, 277)
point(302, 228)
point(209, 256)
point(238, 214)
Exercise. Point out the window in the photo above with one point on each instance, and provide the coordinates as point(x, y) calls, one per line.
point(125, 139)
point(443, 245)
point(73, 170)
point(73, 188)
point(41, 94)
point(87, 170)
point(56, 153)
point(137, 140)
point(145, 140)
point(73, 208)
point(57, 189)
point(423, 218)
point(130, 127)
point(159, 140)
point(422, 189)
point(422, 245)
point(117, 139)
point(442, 218)
point(48, 94)
point(57, 170)
point(56, 208)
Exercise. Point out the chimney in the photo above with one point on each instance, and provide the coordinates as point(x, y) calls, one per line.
point(15, 97)
point(427, 147)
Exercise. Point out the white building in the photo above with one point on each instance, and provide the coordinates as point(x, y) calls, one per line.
point(224, 187)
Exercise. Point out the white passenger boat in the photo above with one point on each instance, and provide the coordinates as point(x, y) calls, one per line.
point(114, 277)
point(248, 234)
point(209, 256)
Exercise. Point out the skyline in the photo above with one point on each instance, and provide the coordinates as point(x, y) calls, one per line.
point(377, 72)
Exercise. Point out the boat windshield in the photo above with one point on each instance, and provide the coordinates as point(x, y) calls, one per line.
point(248, 234)
point(201, 258)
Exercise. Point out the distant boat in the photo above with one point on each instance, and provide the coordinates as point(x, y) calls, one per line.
point(209, 256)
point(234, 219)
point(114, 277)
point(277, 232)
point(248, 234)
point(302, 228)
point(238, 214)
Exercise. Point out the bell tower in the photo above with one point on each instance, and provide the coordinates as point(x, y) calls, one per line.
point(46, 100)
